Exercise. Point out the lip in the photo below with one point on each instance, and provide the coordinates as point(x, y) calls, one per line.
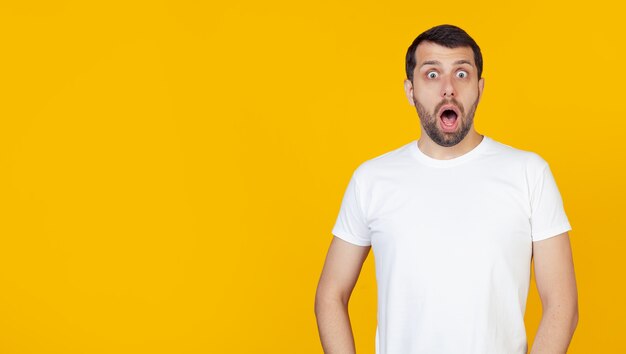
point(448, 129)
point(444, 127)
point(448, 107)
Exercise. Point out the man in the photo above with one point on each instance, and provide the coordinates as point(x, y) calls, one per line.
point(453, 220)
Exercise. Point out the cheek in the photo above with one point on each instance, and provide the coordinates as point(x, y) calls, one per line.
point(427, 100)
point(469, 97)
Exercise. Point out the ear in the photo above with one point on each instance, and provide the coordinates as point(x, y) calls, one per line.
point(481, 87)
point(408, 89)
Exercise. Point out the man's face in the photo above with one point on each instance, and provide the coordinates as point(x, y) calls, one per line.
point(445, 91)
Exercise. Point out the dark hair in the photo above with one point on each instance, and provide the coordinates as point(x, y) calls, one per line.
point(448, 36)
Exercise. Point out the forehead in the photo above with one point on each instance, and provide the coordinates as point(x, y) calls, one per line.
point(429, 51)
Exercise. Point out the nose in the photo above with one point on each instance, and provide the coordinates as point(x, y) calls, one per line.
point(447, 89)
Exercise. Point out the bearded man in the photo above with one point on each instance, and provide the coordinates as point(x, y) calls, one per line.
point(454, 220)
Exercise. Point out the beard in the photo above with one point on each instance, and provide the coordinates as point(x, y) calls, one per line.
point(430, 122)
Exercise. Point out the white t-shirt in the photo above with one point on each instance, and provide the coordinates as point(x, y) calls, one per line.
point(452, 243)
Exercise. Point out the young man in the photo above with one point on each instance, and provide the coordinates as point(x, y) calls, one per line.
point(453, 220)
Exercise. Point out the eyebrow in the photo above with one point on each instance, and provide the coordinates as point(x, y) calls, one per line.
point(435, 62)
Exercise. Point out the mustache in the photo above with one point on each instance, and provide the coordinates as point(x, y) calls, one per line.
point(453, 101)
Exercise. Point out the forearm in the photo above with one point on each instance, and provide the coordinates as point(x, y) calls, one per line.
point(334, 327)
point(555, 330)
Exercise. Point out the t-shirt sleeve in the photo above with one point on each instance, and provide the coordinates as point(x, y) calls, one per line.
point(548, 216)
point(351, 223)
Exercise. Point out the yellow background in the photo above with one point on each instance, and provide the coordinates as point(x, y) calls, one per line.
point(170, 171)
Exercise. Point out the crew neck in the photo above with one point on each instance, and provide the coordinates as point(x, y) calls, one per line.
point(470, 155)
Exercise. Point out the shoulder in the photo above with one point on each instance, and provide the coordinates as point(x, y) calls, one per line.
point(385, 163)
point(525, 166)
point(529, 160)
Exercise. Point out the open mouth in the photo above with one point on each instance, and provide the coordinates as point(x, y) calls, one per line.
point(449, 114)
point(448, 117)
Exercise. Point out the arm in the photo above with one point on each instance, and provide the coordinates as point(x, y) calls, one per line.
point(556, 283)
point(339, 275)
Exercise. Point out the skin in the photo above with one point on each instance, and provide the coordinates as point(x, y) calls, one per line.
point(339, 276)
point(426, 94)
point(556, 283)
point(552, 257)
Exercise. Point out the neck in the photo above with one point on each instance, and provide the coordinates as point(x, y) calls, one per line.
point(436, 151)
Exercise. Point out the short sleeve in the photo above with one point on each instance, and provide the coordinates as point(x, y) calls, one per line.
point(351, 224)
point(548, 216)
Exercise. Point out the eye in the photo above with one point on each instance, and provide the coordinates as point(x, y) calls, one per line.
point(461, 74)
point(432, 75)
